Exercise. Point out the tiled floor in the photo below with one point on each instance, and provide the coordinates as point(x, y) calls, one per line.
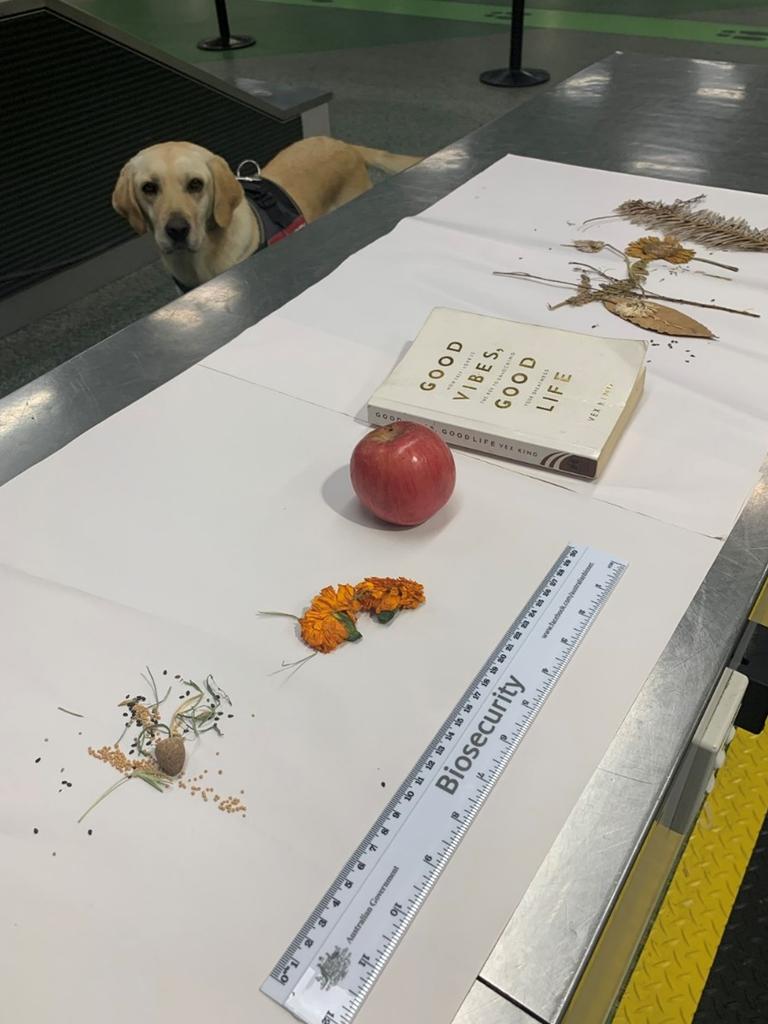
point(404, 74)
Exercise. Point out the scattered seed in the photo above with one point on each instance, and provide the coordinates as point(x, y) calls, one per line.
point(37, 760)
point(36, 830)
point(383, 785)
point(90, 831)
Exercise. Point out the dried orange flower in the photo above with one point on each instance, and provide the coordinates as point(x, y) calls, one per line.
point(337, 599)
point(653, 248)
point(383, 596)
point(330, 619)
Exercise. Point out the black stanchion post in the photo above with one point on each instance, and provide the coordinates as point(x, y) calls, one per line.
point(515, 76)
point(225, 40)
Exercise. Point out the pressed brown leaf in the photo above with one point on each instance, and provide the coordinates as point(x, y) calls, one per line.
point(710, 229)
point(637, 272)
point(588, 245)
point(652, 316)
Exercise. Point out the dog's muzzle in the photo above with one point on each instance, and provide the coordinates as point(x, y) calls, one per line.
point(177, 229)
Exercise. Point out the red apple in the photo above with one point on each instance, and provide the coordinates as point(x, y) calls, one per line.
point(403, 472)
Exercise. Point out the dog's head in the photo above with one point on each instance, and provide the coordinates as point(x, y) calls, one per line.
point(179, 190)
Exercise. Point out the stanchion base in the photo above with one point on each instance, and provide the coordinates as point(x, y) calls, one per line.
point(510, 78)
point(233, 43)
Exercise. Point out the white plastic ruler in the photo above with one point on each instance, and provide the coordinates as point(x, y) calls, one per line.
point(331, 965)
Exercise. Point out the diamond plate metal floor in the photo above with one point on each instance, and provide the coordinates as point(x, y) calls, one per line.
point(736, 988)
point(675, 974)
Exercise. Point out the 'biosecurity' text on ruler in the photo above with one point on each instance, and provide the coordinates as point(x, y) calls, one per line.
point(331, 965)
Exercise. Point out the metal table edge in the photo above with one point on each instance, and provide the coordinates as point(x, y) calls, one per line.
point(571, 897)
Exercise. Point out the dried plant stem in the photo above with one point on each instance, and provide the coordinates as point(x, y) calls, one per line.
point(701, 305)
point(595, 270)
point(605, 245)
point(104, 795)
point(158, 782)
point(629, 295)
point(531, 277)
point(68, 712)
point(295, 665)
point(714, 263)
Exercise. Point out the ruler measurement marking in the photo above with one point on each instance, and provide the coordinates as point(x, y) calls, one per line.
point(400, 833)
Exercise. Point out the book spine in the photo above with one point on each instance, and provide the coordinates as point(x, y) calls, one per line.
point(493, 444)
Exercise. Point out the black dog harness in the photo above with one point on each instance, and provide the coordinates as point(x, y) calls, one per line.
point(277, 214)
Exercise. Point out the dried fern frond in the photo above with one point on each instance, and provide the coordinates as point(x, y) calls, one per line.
point(705, 227)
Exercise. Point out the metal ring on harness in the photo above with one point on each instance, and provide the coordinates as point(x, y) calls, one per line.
point(242, 176)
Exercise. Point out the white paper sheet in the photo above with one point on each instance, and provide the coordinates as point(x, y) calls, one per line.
point(153, 540)
point(691, 453)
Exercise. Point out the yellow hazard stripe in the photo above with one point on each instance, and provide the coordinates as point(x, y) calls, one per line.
point(759, 611)
point(670, 975)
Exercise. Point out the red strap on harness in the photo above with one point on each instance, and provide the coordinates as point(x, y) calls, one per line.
point(295, 225)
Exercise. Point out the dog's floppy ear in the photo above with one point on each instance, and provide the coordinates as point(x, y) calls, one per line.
point(124, 201)
point(227, 191)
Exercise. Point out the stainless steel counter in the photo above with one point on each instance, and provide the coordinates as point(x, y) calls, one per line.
point(688, 120)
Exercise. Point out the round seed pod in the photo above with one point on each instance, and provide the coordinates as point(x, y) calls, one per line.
point(170, 754)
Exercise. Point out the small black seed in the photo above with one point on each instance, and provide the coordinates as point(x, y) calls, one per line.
point(383, 785)
point(37, 760)
point(90, 831)
point(165, 673)
point(35, 830)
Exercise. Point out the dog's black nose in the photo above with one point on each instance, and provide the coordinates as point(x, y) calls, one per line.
point(177, 228)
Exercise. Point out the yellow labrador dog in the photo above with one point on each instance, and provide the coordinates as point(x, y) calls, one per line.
point(201, 218)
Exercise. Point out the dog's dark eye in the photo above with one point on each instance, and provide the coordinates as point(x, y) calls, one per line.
point(149, 188)
point(195, 185)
